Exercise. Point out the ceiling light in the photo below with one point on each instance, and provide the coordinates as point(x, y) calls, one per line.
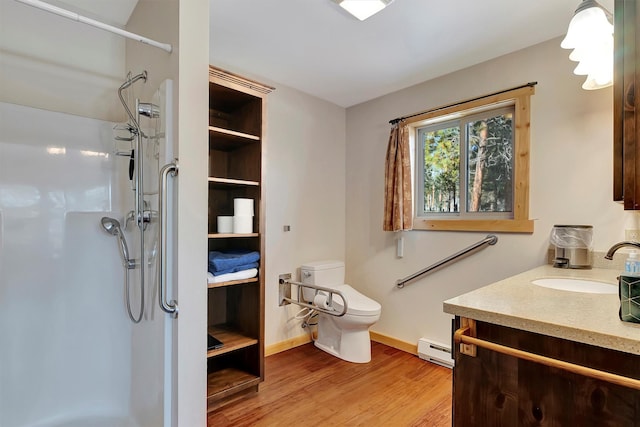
point(362, 9)
point(590, 35)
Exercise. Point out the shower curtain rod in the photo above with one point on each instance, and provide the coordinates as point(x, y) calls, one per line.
point(76, 17)
point(399, 119)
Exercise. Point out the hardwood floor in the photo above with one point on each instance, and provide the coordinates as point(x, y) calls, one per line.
point(307, 387)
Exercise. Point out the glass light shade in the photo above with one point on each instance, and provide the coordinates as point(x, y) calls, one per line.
point(362, 9)
point(594, 60)
point(599, 69)
point(590, 35)
point(593, 84)
point(587, 25)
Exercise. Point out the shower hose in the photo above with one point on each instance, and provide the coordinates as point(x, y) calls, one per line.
point(128, 299)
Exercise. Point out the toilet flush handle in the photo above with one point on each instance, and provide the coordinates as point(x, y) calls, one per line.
point(306, 274)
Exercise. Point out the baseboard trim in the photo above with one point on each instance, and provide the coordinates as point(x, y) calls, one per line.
point(394, 342)
point(287, 344)
point(375, 336)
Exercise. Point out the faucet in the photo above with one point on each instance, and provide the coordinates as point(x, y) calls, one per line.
point(619, 245)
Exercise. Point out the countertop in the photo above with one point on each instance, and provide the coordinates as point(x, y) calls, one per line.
point(583, 317)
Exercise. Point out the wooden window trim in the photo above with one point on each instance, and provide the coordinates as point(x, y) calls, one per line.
point(520, 223)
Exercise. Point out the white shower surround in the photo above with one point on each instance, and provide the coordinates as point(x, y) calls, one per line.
point(67, 346)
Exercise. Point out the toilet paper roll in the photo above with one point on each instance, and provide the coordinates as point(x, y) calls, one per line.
point(320, 300)
point(243, 207)
point(225, 224)
point(242, 224)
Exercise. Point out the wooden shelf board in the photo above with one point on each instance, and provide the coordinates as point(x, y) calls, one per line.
point(229, 181)
point(231, 339)
point(231, 283)
point(228, 132)
point(228, 235)
point(226, 382)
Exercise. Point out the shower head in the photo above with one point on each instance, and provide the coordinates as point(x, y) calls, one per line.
point(112, 226)
point(149, 110)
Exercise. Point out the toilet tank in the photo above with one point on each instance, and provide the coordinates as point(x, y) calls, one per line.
point(322, 273)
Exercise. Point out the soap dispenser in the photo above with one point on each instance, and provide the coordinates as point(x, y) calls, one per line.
point(629, 289)
point(632, 264)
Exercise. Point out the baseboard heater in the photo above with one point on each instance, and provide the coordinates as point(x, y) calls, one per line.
point(435, 352)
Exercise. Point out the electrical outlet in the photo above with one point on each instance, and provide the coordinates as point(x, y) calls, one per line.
point(632, 235)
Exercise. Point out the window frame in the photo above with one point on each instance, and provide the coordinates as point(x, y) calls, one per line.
point(520, 223)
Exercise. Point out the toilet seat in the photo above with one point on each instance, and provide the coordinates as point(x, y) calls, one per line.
point(357, 304)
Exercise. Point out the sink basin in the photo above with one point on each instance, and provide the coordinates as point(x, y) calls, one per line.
point(577, 285)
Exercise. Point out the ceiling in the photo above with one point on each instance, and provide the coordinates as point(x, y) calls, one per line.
point(316, 47)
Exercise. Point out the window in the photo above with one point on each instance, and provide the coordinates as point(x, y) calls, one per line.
point(471, 168)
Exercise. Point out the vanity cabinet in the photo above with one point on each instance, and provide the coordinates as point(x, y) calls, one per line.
point(237, 112)
point(493, 389)
point(626, 112)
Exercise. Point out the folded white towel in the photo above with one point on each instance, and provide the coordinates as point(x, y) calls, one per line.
point(238, 275)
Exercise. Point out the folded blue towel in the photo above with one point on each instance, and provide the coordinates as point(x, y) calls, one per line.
point(234, 269)
point(219, 261)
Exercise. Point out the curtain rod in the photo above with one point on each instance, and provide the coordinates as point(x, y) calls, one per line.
point(396, 120)
point(76, 17)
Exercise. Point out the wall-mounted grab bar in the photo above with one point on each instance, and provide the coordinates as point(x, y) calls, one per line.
point(461, 337)
point(170, 307)
point(489, 240)
point(285, 297)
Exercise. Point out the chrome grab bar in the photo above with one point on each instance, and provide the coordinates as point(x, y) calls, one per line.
point(489, 240)
point(170, 307)
point(285, 297)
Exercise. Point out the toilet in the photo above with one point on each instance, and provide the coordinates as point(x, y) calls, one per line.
point(346, 337)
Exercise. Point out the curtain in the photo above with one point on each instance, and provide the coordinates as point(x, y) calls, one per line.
point(398, 206)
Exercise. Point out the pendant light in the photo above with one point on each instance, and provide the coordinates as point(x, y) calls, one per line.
point(590, 35)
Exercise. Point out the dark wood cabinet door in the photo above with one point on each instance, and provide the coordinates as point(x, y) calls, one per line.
point(492, 389)
point(626, 128)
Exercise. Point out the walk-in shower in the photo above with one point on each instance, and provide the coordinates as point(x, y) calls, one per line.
point(70, 356)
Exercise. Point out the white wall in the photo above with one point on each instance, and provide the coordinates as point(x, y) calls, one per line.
point(305, 173)
point(56, 64)
point(571, 182)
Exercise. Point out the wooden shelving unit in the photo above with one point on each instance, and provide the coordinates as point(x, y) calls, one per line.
point(237, 109)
